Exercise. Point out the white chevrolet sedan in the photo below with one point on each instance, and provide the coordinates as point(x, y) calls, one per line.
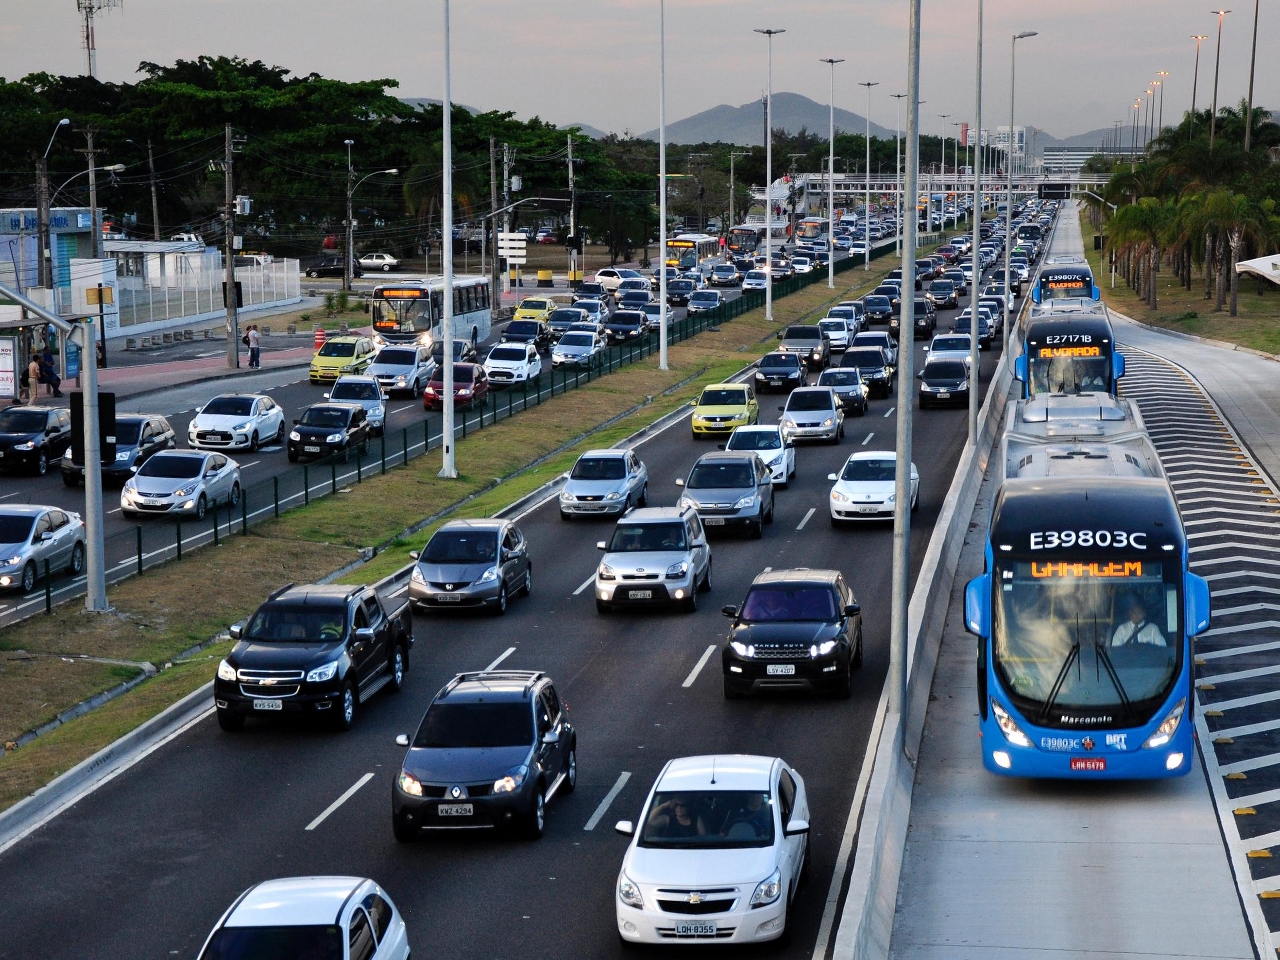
point(718, 854)
point(865, 487)
point(236, 421)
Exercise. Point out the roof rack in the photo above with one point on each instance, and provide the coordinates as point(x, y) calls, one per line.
point(529, 677)
point(282, 590)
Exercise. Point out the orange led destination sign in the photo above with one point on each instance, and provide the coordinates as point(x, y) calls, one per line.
point(1053, 353)
point(402, 293)
point(1073, 283)
point(1080, 570)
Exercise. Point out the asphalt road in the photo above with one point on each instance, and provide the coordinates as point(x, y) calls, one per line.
point(145, 866)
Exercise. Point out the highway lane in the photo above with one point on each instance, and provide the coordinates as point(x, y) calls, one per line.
point(144, 866)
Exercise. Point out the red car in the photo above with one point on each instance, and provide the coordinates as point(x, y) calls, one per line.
point(470, 386)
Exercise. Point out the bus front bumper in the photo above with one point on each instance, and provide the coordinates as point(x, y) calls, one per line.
point(1088, 754)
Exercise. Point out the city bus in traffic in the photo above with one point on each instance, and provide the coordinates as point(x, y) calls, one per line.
point(745, 238)
point(693, 251)
point(812, 228)
point(413, 311)
point(1069, 353)
point(1065, 282)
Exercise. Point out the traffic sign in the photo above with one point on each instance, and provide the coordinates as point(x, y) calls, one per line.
point(511, 247)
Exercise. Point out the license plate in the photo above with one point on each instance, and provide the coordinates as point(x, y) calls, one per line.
point(868, 509)
point(311, 449)
point(1092, 764)
point(713, 521)
point(639, 594)
point(944, 395)
point(454, 810)
point(449, 597)
point(699, 929)
point(781, 669)
point(268, 705)
point(775, 383)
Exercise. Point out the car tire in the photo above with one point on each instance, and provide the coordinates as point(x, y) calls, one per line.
point(856, 660)
point(526, 588)
point(75, 566)
point(230, 722)
point(570, 782)
point(41, 466)
point(644, 496)
point(500, 607)
point(386, 268)
point(202, 507)
point(253, 442)
point(565, 517)
point(397, 666)
point(836, 523)
point(915, 502)
point(235, 494)
point(603, 608)
point(71, 479)
point(757, 530)
point(690, 604)
point(344, 717)
point(706, 579)
point(535, 822)
point(311, 274)
point(403, 832)
point(129, 514)
point(280, 433)
point(768, 517)
point(29, 577)
point(844, 685)
point(730, 691)
point(293, 457)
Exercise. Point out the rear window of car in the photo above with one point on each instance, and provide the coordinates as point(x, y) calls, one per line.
point(523, 328)
point(863, 358)
point(944, 370)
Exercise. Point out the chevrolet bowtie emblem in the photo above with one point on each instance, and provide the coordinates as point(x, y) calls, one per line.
point(268, 682)
point(695, 898)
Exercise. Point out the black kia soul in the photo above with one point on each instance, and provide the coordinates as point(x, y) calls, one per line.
point(493, 748)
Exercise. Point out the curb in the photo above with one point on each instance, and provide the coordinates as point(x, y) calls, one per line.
point(211, 378)
point(1179, 335)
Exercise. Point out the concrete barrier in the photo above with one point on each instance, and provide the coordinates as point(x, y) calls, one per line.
point(545, 278)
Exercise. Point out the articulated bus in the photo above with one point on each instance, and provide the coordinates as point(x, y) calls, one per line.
point(1065, 282)
point(693, 251)
point(413, 311)
point(1069, 353)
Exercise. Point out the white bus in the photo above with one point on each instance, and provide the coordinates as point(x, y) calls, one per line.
point(693, 251)
point(413, 311)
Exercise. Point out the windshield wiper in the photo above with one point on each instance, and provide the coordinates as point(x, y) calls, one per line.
point(1073, 655)
point(1100, 651)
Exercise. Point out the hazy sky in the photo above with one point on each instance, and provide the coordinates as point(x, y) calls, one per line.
point(596, 61)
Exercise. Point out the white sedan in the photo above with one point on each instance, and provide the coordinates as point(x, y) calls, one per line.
point(379, 261)
point(949, 346)
point(512, 363)
point(865, 487)
point(767, 443)
point(236, 421)
point(719, 851)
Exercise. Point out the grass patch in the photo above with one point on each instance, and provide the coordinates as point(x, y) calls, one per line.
point(1187, 311)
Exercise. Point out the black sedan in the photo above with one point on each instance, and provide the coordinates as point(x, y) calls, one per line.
point(944, 383)
point(879, 308)
point(138, 436)
point(796, 628)
point(326, 428)
point(332, 267)
point(492, 749)
point(625, 326)
point(33, 438)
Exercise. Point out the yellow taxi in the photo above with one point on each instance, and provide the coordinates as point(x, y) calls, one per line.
point(341, 356)
point(722, 407)
point(535, 308)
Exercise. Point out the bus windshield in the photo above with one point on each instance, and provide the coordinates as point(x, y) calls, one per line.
point(401, 316)
point(1088, 371)
point(1074, 634)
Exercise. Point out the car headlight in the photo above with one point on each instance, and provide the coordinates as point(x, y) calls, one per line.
point(788, 424)
point(745, 502)
point(121, 455)
point(186, 491)
point(817, 353)
point(321, 674)
point(629, 893)
point(615, 495)
point(677, 570)
point(464, 392)
point(489, 575)
point(512, 781)
point(829, 421)
point(767, 890)
point(226, 672)
point(401, 381)
point(740, 416)
point(822, 649)
point(1012, 732)
point(747, 650)
point(891, 498)
point(416, 575)
point(130, 487)
point(409, 783)
point(839, 497)
point(29, 445)
point(605, 572)
point(689, 503)
point(240, 426)
point(295, 436)
point(333, 438)
point(348, 367)
point(1164, 733)
point(761, 376)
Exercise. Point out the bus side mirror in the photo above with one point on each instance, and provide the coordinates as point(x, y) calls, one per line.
point(1035, 295)
point(1097, 292)
point(1020, 368)
point(977, 606)
point(1117, 366)
point(1197, 604)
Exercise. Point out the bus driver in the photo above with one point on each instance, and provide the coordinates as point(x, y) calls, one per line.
point(1137, 629)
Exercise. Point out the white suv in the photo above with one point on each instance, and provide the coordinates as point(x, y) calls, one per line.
point(511, 363)
point(611, 277)
point(718, 853)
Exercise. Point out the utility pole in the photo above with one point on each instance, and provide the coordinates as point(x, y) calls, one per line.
point(155, 199)
point(866, 203)
point(43, 265)
point(732, 157)
point(573, 238)
point(506, 203)
point(974, 359)
point(1217, 62)
point(897, 169)
point(448, 469)
point(348, 232)
point(493, 219)
point(1253, 60)
point(229, 253)
point(92, 154)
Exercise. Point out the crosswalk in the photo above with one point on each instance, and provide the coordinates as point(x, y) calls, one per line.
point(1231, 512)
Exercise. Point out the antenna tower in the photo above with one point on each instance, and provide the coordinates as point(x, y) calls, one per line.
point(88, 10)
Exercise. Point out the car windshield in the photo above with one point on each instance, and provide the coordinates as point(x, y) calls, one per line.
point(680, 286)
point(355, 391)
point(877, 302)
point(705, 296)
point(754, 440)
point(476, 725)
point(787, 360)
point(863, 358)
point(724, 271)
point(755, 275)
point(334, 348)
point(708, 819)
point(721, 475)
point(809, 400)
point(523, 328)
point(577, 340)
point(127, 432)
point(565, 315)
point(803, 333)
point(462, 373)
point(868, 470)
point(309, 624)
point(275, 943)
point(1086, 634)
point(942, 286)
point(626, 318)
point(950, 343)
point(648, 537)
point(534, 305)
point(228, 407)
point(840, 378)
point(834, 326)
point(944, 370)
point(175, 467)
point(459, 347)
point(789, 602)
point(391, 357)
point(515, 354)
point(461, 546)
point(722, 397)
point(23, 421)
point(599, 468)
point(15, 529)
point(323, 417)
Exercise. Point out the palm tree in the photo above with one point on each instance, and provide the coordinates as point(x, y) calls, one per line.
point(1140, 230)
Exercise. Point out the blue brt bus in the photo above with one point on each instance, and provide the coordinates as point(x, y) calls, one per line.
point(1069, 353)
point(1084, 620)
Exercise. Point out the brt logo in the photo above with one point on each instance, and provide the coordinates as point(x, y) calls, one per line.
point(1117, 740)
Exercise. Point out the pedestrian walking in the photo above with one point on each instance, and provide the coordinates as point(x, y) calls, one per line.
point(255, 346)
point(49, 373)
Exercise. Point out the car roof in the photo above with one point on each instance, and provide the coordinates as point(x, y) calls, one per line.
point(797, 575)
point(873, 455)
point(172, 452)
point(719, 772)
point(491, 685)
point(729, 456)
point(481, 525)
point(730, 384)
point(25, 510)
point(342, 405)
point(350, 339)
point(605, 452)
point(356, 377)
point(306, 592)
point(238, 396)
point(294, 901)
point(652, 514)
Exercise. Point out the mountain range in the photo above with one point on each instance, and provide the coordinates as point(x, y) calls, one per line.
point(744, 125)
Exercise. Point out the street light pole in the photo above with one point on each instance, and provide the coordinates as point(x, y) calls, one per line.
point(897, 170)
point(1160, 119)
point(768, 184)
point(831, 175)
point(1253, 60)
point(977, 240)
point(662, 185)
point(733, 156)
point(448, 469)
point(44, 268)
point(346, 261)
point(866, 203)
point(1195, 79)
point(1217, 61)
point(1008, 197)
point(943, 170)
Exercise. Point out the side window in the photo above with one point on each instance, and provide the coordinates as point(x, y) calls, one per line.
point(372, 610)
point(43, 525)
point(217, 463)
point(357, 417)
point(162, 426)
point(543, 719)
point(552, 702)
point(147, 434)
point(64, 419)
point(379, 914)
point(509, 539)
point(360, 939)
point(361, 619)
point(787, 794)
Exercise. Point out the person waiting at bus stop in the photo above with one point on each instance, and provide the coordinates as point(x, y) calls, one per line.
point(1137, 628)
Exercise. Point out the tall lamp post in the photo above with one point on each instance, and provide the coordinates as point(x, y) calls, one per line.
point(732, 157)
point(943, 117)
point(897, 169)
point(662, 184)
point(1160, 116)
point(866, 204)
point(1008, 197)
point(1217, 61)
point(977, 236)
point(44, 266)
point(448, 468)
point(1195, 79)
point(768, 183)
point(352, 187)
point(831, 175)
point(1253, 60)
point(955, 172)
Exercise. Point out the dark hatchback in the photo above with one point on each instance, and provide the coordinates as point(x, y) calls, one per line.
point(873, 365)
point(492, 749)
point(138, 436)
point(625, 326)
point(781, 371)
point(529, 331)
point(879, 308)
point(326, 428)
point(796, 629)
point(332, 267)
point(33, 438)
point(944, 383)
point(679, 292)
point(925, 320)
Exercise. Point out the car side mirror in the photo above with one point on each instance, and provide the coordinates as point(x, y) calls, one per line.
point(402, 739)
point(236, 632)
point(920, 375)
point(550, 737)
point(832, 476)
point(601, 545)
point(363, 634)
point(781, 407)
point(779, 336)
point(796, 827)
point(1196, 589)
point(133, 469)
point(326, 396)
point(414, 554)
point(721, 446)
point(625, 827)
point(679, 481)
point(296, 421)
point(852, 609)
point(729, 610)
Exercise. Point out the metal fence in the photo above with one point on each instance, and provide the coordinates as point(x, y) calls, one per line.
point(200, 293)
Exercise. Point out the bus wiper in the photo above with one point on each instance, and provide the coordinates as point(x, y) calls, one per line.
point(1100, 651)
point(1072, 656)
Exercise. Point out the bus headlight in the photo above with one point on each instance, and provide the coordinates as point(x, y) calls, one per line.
point(1164, 733)
point(1012, 732)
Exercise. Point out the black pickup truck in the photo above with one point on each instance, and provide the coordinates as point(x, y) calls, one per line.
point(314, 650)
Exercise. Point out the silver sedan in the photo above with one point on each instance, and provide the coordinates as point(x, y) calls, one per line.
point(34, 539)
point(185, 482)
